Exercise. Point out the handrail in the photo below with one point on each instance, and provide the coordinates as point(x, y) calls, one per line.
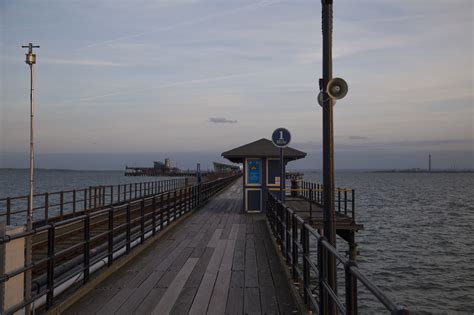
point(293, 235)
point(314, 193)
point(145, 217)
point(58, 204)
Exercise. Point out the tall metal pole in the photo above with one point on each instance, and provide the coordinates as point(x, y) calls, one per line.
point(282, 177)
point(328, 147)
point(31, 61)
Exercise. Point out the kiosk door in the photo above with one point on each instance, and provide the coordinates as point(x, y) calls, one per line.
point(253, 185)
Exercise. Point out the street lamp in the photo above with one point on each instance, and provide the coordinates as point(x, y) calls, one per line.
point(30, 60)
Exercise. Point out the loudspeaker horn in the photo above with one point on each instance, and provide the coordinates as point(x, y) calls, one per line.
point(322, 97)
point(337, 88)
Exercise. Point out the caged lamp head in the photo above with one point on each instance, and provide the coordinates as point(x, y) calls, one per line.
point(30, 59)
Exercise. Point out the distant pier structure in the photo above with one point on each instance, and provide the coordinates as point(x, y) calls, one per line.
point(166, 169)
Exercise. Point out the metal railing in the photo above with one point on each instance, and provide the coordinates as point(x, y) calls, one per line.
point(62, 204)
point(101, 237)
point(344, 199)
point(297, 241)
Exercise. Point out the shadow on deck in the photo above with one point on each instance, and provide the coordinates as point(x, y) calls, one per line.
point(216, 261)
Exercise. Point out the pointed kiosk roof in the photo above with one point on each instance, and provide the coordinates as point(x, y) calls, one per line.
point(261, 148)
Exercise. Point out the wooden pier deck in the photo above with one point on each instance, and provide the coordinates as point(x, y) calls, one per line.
point(217, 261)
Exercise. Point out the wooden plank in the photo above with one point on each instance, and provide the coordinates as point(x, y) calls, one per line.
point(184, 301)
point(217, 305)
point(218, 300)
point(114, 303)
point(234, 231)
point(215, 238)
point(139, 294)
point(239, 255)
point(171, 295)
point(166, 263)
point(198, 272)
point(235, 301)
point(251, 301)
point(149, 302)
point(204, 292)
point(251, 273)
point(92, 302)
point(227, 259)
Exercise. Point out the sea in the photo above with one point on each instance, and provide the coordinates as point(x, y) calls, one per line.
point(417, 244)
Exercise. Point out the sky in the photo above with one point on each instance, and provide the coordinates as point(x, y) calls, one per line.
point(129, 82)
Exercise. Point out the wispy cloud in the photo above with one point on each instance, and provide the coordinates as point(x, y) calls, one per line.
point(81, 62)
point(166, 85)
point(259, 4)
point(221, 120)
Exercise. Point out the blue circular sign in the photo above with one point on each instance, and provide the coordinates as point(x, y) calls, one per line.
point(281, 137)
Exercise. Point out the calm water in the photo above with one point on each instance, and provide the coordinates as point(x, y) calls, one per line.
point(417, 244)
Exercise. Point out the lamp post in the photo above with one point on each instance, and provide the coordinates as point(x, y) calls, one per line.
point(31, 61)
point(328, 147)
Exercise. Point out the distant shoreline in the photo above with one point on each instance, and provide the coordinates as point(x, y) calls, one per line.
point(424, 171)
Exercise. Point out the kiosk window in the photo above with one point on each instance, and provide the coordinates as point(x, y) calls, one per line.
point(273, 171)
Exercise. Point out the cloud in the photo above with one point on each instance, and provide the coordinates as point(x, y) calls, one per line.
point(357, 138)
point(259, 4)
point(221, 120)
point(81, 62)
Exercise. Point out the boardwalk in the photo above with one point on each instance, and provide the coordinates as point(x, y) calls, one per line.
point(218, 261)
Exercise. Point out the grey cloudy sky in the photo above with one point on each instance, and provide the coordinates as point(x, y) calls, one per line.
point(171, 77)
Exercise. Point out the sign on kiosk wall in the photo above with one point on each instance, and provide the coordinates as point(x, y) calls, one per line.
point(254, 172)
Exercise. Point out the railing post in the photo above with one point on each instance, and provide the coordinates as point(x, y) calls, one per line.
point(345, 202)
point(87, 239)
point(318, 199)
point(9, 208)
point(111, 195)
point(50, 270)
point(135, 196)
point(338, 199)
point(321, 276)
point(128, 233)
point(162, 211)
point(186, 197)
point(111, 237)
point(95, 198)
point(351, 283)
point(61, 204)
point(288, 235)
point(74, 202)
point(85, 199)
point(353, 205)
point(142, 221)
point(282, 229)
point(294, 238)
point(306, 279)
point(118, 193)
point(168, 207)
point(174, 204)
point(153, 215)
point(46, 207)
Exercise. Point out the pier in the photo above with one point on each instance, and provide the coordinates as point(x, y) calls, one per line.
point(193, 249)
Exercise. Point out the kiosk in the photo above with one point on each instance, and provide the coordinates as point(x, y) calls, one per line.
point(261, 165)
